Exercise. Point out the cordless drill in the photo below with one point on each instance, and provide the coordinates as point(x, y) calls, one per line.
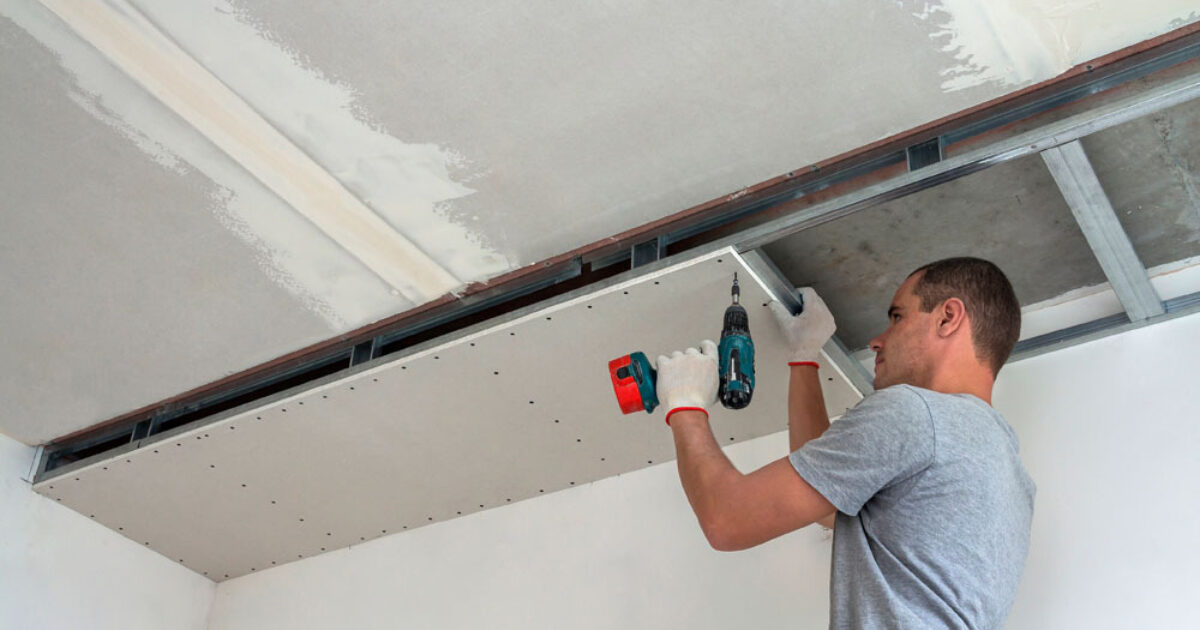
point(634, 379)
point(736, 355)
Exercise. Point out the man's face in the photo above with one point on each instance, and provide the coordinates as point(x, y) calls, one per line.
point(902, 350)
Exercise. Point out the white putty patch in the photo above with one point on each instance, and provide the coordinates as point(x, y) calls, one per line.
point(407, 184)
point(149, 146)
point(1017, 42)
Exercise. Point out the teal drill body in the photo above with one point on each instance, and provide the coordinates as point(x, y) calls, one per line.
point(635, 381)
point(736, 355)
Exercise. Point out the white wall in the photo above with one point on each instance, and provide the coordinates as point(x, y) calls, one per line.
point(1111, 433)
point(58, 569)
point(1108, 430)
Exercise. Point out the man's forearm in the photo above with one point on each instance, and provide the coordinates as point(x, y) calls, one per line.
point(703, 466)
point(807, 418)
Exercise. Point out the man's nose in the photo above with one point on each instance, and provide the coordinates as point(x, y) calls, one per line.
point(876, 344)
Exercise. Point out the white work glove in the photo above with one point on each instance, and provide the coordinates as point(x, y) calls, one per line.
point(688, 380)
point(807, 332)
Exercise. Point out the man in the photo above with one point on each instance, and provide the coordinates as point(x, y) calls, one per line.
point(922, 482)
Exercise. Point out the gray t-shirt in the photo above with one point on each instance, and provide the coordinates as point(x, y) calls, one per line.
point(934, 508)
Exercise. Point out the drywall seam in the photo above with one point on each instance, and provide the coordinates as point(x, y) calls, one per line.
point(119, 31)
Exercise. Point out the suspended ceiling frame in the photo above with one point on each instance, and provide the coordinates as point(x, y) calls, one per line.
point(930, 170)
point(1086, 83)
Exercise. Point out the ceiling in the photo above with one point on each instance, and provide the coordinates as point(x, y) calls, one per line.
point(158, 236)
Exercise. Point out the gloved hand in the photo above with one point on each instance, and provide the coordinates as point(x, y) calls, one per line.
point(807, 332)
point(688, 380)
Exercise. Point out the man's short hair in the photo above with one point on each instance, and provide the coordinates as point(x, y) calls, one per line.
point(989, 298)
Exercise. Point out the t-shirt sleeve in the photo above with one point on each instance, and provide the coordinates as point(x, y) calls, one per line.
point(886, 439)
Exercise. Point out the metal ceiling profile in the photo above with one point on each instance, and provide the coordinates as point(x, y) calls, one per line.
point(120, 31)
point(933, 170)
point(1073, 172)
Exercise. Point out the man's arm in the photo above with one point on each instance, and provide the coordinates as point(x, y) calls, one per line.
point(807, 418)
point(739, 511)
point(806, 334)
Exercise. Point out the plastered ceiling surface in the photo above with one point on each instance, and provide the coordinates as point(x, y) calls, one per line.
point(499, 415)
point(489, 135)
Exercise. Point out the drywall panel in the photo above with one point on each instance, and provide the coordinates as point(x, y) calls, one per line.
point(1107, 430)
point(505, 413)
point(60, 570)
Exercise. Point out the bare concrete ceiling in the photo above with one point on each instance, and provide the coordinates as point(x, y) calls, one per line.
point(142, 256)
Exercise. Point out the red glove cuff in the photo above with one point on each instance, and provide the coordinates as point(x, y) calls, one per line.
point(812, 363)
point(700, 409)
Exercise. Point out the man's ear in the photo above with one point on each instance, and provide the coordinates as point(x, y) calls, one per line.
point(951, 315)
